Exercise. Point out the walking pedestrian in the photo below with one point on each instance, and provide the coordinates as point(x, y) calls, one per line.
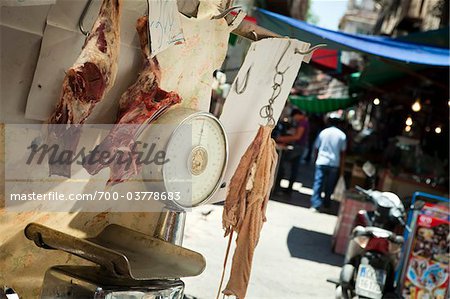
point(330, 147)
point(291, 158)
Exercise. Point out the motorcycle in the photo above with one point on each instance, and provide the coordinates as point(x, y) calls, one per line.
point(374, 249)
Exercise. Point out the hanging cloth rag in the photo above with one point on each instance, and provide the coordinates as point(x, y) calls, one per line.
point(245, 207)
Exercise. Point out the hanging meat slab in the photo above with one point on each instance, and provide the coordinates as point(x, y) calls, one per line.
point(143, 102)
point(245, 206)
point(85, 84)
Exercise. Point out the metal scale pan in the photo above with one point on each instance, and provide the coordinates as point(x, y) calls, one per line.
point(124, 252)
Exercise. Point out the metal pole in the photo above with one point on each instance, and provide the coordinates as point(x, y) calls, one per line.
point(170, 226)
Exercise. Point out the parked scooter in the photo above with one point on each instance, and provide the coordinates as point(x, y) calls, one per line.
point(374, 249)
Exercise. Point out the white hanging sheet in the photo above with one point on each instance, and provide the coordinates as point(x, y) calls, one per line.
point(241, 112)
point(21, 31)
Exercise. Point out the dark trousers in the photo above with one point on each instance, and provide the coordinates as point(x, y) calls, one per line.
point(289, 160)
point(325, 179)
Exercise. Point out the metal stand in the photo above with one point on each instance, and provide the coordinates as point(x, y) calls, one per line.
point(170, 226)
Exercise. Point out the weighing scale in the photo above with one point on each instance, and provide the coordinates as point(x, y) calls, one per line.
point(131, 265)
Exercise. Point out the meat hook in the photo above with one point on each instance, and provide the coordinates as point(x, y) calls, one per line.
point(83, 15)
point(255, 35)
point(244, 87)
point(224, 13)
point(310, 50)
point(281, 57)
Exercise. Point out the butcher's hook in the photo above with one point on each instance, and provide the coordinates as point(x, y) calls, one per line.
point(241, 90)
point(83, 15)
point(255, 35)
point(281, 58)
point(225, 13)
point(297, 51)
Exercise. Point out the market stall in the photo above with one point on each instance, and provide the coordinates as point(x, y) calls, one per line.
point(115, 89)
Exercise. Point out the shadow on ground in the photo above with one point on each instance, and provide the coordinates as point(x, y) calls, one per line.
point(313, 246)
point(302, 200)
point(305, 176)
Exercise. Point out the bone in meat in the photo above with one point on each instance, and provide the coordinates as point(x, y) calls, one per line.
point(245, 206)
point(86, 83)
point(142, 101)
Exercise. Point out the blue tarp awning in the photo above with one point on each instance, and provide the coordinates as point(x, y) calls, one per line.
point(376, 45)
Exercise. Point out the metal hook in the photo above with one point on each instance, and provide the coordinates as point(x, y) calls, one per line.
point(244, 87)
point(225, 13)
point(83, 15)
point(310, 50)
point(267, 113)
point(281, 57)
point(255, 35)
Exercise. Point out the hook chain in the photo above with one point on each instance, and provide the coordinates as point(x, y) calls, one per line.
point(278, 79)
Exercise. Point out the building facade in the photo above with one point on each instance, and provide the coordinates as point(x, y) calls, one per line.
point(400, 17)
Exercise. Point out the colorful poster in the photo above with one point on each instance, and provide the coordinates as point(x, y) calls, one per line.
point(427, 272)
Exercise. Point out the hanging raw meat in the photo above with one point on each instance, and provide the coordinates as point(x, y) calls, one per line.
point(143, 102)
point(86, 84)
point(245, 207)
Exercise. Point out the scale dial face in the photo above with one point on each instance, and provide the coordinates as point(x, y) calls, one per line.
point(197, 153)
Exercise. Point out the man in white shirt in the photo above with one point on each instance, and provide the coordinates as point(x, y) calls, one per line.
point(330, 149)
